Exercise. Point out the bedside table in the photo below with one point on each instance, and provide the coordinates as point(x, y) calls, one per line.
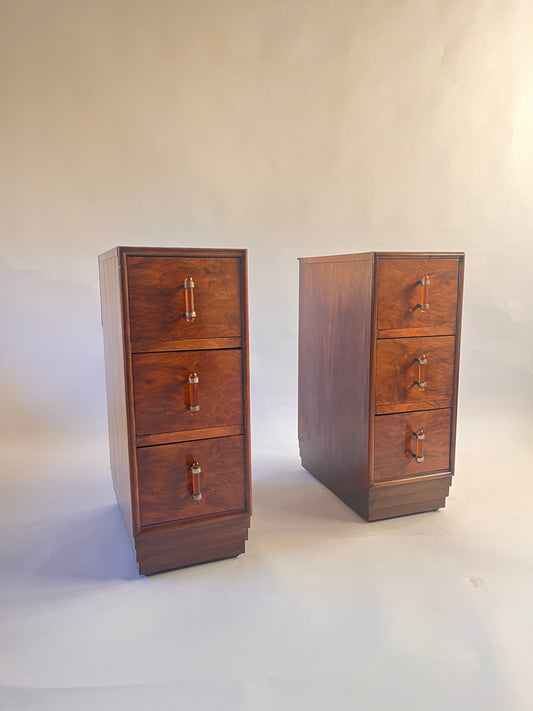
point(175, 324)
point(379, 337)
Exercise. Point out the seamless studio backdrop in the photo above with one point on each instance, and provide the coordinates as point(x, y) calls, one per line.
point(293, 129)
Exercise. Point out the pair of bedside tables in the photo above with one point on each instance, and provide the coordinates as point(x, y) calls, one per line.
point(378, 372)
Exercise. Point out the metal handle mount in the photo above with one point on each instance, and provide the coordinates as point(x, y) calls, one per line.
point(424, 294)
point(190, 313)
point(194, 381)
point(419, 453)
point(196, 470)
point(422, 362)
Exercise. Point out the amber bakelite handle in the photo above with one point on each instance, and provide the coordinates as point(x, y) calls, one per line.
point(194, 381)
point(424, 293)
point(196, 470)
point(422, 362)
point(419, 453)
point(190, 313)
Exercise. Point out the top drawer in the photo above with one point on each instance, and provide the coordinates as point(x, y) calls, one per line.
point(158, 300)
point(402, 295)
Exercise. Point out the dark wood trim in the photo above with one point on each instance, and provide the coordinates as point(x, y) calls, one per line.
point(342, 482)
point(179, 252)
point(363, 257)
point(331, 433)
point(457, 361)
point(130, 400)
point(116, 385)
point(168, 547)
point(419, 255)
point(246, 380)
point(174, 437)
point(372, 369)
point(195, 539)
point(190, 344)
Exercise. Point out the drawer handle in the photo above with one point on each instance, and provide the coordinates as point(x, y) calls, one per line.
point(422, 362)
point(194, 381)
point(419, 454)
point(196, 470)
point(424, 294)
point(190, 313)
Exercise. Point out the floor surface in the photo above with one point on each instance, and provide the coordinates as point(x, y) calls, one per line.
point(432, 611)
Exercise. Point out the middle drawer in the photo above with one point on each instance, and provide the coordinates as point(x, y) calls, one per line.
point(167, 398)
point(414, 373)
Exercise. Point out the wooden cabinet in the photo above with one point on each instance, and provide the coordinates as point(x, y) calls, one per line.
point(379, 341)
point(175, 326)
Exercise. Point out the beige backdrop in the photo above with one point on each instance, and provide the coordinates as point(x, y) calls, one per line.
point(291, 128)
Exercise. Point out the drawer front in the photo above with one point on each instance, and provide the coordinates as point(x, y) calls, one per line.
point(395, 444)
point(166, 486)
point(400, 294)
point(399, 367)
point(157, 298)
point(163, 394)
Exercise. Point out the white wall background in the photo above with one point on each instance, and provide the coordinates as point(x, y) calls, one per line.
point(291, 128)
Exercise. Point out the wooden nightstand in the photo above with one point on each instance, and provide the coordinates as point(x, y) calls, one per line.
point(378, 374)
point(175, 325)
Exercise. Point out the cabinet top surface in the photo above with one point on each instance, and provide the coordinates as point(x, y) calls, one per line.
point(170, 252)
point(367, 256)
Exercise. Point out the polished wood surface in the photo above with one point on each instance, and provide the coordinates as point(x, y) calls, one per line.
point(116, 364)
point(152, 418)
point(400, 292)
point(397, 371)
point(166, 547)
point(361, 397)
point(157, 297)
point(163, 392)
point(189, 435)
point(185, 344)
point(400, 498)
point(334, 383)
point(165, 479)
point(395, 444)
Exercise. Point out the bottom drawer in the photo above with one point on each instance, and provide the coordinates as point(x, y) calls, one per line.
point(395, 444)
point(166, 486)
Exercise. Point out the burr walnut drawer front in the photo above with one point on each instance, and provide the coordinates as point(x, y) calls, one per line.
point(172, 298)
point(414, 373)
point(417, 297)
point(410, 444)
point(187, 390)
point(191, 479)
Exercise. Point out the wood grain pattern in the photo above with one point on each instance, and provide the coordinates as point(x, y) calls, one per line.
point(394, 444)
point(410, 496)
point(167, 547)
point(165, 482)
point(399, 294)
point(190, 435)
point(140, 325)
point(341, 481)
point(361, 257)
point(157, 298)
point(116, 390)
point(162, 391)
point(185, 344)
point(335, 339)
point(397, 373)
point(358, 401)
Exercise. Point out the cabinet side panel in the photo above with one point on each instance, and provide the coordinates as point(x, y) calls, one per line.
point(457, 359)
point(246, 380)
point(110, 297)
point(335, 338)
